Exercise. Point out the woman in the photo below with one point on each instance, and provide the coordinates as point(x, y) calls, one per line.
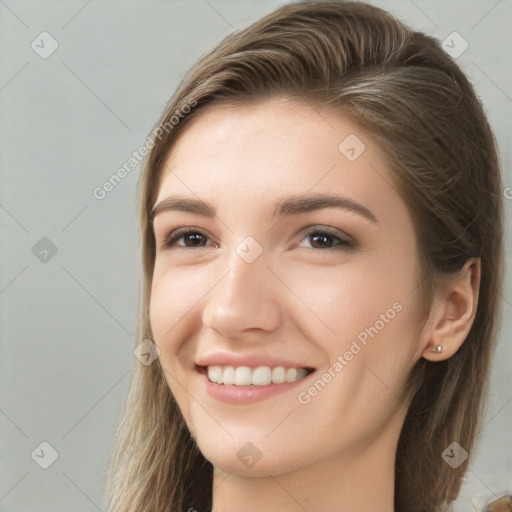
point(322, 249)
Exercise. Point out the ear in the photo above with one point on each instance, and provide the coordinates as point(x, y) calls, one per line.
point(452, 313)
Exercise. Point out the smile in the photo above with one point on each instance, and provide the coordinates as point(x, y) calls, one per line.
point(259, 376)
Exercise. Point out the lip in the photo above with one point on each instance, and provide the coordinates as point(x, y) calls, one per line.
point(250, 360)
point(240, 395)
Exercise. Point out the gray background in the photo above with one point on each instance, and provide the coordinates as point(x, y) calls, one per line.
point(68, 122)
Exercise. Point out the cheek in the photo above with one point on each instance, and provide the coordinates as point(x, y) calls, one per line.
point(365, 313)
point(344, 300)
point(172, 300)
point(174, 295)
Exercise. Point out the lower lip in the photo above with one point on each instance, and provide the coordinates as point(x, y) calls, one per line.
point(248, 394)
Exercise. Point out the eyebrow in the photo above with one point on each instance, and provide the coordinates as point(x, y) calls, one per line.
point(293, 205)
point(306, 203)
point(183, 204)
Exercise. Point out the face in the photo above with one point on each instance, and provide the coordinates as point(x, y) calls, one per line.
point(284, 298)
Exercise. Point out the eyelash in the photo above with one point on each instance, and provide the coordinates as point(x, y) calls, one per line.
point(179, 233)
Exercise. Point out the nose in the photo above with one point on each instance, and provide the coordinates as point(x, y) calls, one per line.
point(245, 300)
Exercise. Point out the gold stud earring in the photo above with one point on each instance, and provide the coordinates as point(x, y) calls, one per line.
point(437, 349)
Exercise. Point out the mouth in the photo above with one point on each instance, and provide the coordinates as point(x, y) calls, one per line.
point(245, 376)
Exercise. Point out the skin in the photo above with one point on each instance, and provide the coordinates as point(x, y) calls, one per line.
point(297, 299)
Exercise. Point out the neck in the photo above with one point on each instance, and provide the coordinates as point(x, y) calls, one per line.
point(361, 480)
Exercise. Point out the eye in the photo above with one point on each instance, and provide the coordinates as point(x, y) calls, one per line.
point(191, 237)
point(322, 238)
point(319, 239)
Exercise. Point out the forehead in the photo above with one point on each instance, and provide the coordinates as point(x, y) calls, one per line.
point(247, 154)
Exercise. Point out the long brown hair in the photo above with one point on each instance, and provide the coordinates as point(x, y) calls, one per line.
point(401, 87)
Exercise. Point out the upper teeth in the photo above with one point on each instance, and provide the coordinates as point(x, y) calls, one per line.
point(260, 376)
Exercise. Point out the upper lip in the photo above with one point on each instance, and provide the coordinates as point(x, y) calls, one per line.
point(251, 360)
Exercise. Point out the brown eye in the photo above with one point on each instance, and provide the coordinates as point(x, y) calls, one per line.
point(195, 239)
point(191, 238)
point(325, 239)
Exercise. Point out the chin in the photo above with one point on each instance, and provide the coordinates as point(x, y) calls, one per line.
point(247, 458)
